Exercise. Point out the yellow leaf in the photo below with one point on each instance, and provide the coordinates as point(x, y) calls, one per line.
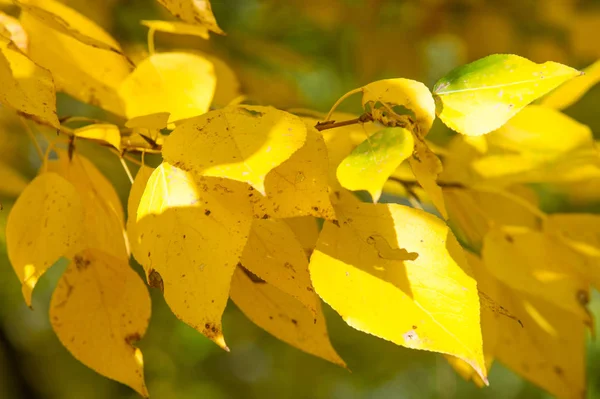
point(51, 17)
point(427, 301)
point(104, 221)
point(45, 223)
point(182, 84)
point(426, 167)
point(298, 187)
point(479, 97)
point(191, 232)
point(541, 131)
point(274, 254)
point(99, 309)
point(27, 88)
point(283, 316)
point(133, 202)
point(372, 162)
point(156, 121)
point(193, 11)
point(239, 143)
point(14, 31)
point(569, 93)
point(228, 84)
point(539, 265)
point(178, 28)
point(89, 74)
point(306, 230)
point(581, 232)
point(103, 133)
point(410, 94)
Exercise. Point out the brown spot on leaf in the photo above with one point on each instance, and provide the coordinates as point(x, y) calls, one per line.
point(207, 212)
point(155, 280)
point(295, 322)
point(132, 338)
point(81, 263)
point(509, 238)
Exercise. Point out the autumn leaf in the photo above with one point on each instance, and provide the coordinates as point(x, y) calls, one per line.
point(193, 11)
point(539, 265)
point(416, 290)
point(133, 203)
point(240, 143)
point(298, 187)
point(99, 310)
point(274, 254)
point(179, 28)
point(88, 73)
point(12, 29)
point(27, 88)
point(191, 232)
point(283, 316)
point(180, 83)
point(479, 97)
point(371, 163)
point(426, 167)
point(570, 92)
point(103, 133)
point(45, 223)
point(306, 230)
point(103, 226)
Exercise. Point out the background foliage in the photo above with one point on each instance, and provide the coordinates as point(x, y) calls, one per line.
point(301, 54)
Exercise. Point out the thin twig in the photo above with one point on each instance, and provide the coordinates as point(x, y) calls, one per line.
point(364, 118)
point(126, 168)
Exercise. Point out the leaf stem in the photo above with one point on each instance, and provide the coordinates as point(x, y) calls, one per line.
point(151, 48)
point(327, 124)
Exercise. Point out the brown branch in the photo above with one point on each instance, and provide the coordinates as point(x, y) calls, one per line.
point(413, 183)
point(364, 118)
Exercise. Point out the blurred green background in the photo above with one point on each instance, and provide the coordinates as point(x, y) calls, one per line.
point(297, 53)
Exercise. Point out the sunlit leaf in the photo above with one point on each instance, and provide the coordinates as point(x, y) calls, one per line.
point(99, 310)
point(104, 221)
point(27, 88)
point(12, 29)
point(283, 316)
point(104, 133)
point(156, 121)
point(400, 275)
point(239, 143)
point(193, 11)
point(182, 84)
point(298, 187)
point(45, 223)
point(569, 93)
point(384, 95)
point(191, 232)
point(179, 28)
point(133, 202)
point(479, 97)
point(371, 163)
point(89, 74)
point(426, 167)
point(274, 254)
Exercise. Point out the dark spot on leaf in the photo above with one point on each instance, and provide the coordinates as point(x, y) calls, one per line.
point(265, 216)
point(414, 327)
point(207, 212)
point(155, 280)
point(81, 263)
point(509, 238)
point(295, 322)
point(335, 222)
point(132, 338)
point(558, 370)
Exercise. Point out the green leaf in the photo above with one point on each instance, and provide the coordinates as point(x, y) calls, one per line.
point(479, 97)
point(371, 163)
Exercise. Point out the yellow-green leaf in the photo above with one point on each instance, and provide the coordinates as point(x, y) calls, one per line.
point(371, 163)
point(99, 310)
point(535, 263)
point(193, 11)
point(569, 93)
point(298, 187)
point(104, 221)
point(274, 254)
point(45, 223)
point(427, 301)
point(191, 232)
point(239, 143)
point(89, 74)
point(384, 95)
point(179, 28)
point(283, 316)
point(182, 84)
point(27, 88)
point(104, 133)
point(479, 97)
